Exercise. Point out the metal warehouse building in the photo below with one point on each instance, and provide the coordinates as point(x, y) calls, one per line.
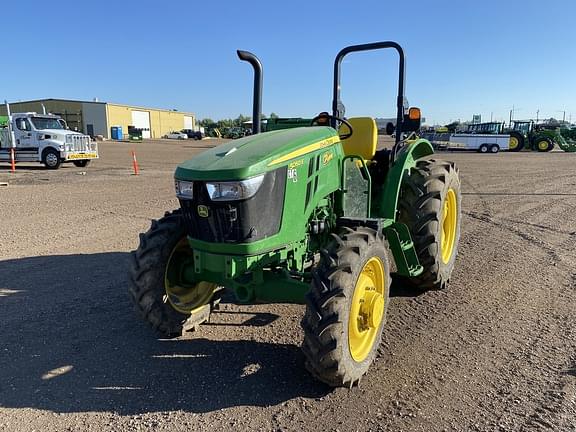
point(98, 118)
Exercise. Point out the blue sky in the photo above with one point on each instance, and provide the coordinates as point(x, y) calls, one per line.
point(463, 58)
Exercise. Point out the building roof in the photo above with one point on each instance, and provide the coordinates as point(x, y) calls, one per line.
point(99, 102)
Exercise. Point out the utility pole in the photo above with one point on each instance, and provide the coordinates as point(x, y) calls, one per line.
point(537, 112)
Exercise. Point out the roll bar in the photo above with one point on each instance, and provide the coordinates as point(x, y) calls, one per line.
point(338, 109)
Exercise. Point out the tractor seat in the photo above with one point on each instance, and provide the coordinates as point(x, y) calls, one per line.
point(364, 138)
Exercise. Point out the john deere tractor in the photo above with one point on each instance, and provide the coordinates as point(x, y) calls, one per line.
point(312, 215)
point(529, 135)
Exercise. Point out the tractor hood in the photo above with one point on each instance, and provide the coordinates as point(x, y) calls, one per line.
point(256, 154)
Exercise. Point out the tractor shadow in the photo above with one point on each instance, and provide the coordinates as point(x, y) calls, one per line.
point(71, 342)
point(400, 288)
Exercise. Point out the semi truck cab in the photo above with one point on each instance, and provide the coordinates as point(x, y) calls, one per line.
point(44, 138)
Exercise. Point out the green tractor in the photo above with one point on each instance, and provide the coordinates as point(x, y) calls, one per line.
point(312, 215)
point(529, 135)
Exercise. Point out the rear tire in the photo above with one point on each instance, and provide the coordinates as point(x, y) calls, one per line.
point(341, 339)
point(51, 159)
point(494, 148)
point(432, 186)
point(517, 142)
point(483, 148)
point(82, 163)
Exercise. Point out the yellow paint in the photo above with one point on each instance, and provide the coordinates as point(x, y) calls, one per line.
point(513, 143)
point(367, 309)
point(296, 164)
point(186, 299)
point(449, 224)
point(305, 150)
point(327, 157)
point(82, 156)
point(364, 137)
point(162, 122)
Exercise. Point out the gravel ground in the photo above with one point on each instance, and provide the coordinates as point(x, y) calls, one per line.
point(495, 351)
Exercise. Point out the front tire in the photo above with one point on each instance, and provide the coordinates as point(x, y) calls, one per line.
point(346, 307)
point(51, 159)
point(543, 144)
point(159, 291)
point(429, 204)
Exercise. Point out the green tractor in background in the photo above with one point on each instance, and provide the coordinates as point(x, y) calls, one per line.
point(529, 135)
point(312, 215)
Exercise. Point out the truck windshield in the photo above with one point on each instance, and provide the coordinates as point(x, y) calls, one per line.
point(46, 123)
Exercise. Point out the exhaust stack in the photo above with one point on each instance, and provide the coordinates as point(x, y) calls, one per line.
point(257, 102)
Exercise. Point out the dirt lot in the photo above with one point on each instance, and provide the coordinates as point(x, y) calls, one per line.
point(495, 351)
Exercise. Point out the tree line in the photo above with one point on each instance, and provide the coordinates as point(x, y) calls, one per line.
point(229, 123)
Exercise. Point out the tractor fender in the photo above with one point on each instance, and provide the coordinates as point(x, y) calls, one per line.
point(405, 160)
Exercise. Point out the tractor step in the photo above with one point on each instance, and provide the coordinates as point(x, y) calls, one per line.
point(352, 222)
point(402, 247)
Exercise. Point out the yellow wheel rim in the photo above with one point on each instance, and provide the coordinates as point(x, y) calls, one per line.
point(184, 296)
point(367, 309)
point(449, 223)
point(513, 143)
point(543, 145)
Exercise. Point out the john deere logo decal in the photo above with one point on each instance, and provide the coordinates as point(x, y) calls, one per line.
point(202, 211)
point(327, 157)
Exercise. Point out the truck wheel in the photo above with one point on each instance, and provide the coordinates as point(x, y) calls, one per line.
point(483, 148)
point(494, 148)
point(158, 286)
point(51, 159)
point(346, 307)
point(544, 144)
point(516, 142)
point(82, 163)
point(429, 205)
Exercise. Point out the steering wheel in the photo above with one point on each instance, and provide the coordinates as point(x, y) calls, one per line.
point(323, 118)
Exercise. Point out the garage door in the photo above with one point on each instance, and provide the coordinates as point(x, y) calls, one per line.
point(141, 119)
point(188, 122)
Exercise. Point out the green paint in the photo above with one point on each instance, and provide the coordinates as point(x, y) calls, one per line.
point(274, 269)
point(386, 203)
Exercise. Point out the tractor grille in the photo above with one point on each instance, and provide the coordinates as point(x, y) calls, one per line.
point(244, 221)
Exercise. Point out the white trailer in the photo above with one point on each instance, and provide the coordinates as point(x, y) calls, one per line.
point(483, 143)
point(44, 138)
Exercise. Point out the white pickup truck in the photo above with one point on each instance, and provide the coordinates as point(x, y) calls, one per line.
point(44, 138)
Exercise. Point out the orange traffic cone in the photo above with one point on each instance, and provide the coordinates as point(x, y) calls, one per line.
point(135, 163)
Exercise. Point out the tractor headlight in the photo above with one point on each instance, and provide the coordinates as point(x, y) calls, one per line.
point(184, 189)
point(234, 190)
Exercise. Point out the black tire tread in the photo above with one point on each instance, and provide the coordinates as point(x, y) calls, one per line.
point(326, 309)
point(145, 269)
point(420, 208)
point(521, 141)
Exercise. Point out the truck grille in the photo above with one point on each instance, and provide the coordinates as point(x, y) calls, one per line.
point(245, 221)
point(78, 143)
